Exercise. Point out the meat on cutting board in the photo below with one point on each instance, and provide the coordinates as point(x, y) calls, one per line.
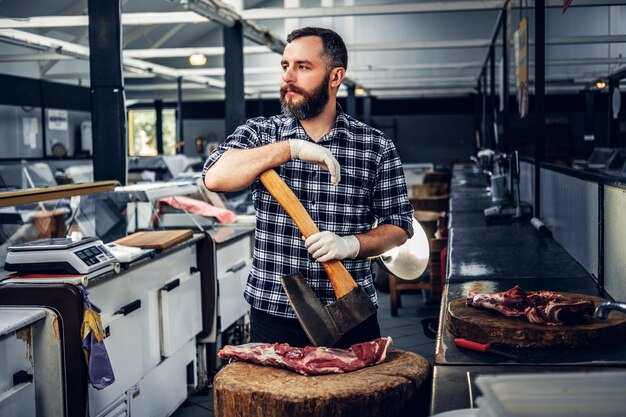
point(310, 360)
point(540, 307)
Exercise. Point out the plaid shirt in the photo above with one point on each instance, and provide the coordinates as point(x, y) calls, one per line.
point(372, 190)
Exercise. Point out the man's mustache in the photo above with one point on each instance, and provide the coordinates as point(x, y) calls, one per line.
point(292, 88)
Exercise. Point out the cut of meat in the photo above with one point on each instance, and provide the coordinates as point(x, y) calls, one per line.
point(310, 360)
point(540, 307)
point(511, 303)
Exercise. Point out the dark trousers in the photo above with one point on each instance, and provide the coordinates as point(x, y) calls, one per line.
point(266, 328)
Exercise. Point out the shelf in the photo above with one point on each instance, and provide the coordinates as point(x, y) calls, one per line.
point(36, 195)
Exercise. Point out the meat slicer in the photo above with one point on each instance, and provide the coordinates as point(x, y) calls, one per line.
point(514, 209)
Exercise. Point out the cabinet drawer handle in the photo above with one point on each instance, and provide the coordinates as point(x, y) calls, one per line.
point(193, 270)
point(237, 267)
point(171, 285)
point(129, 308)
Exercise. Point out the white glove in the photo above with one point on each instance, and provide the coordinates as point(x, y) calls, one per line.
point(324, 246)
point(316, 154)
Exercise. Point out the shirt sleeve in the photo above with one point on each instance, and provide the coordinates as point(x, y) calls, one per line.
point(244, 137)
point(391, 201)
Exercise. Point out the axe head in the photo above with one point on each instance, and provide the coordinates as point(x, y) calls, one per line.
point(324, 325)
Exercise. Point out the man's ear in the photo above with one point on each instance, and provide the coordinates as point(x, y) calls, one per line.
point(336, 76)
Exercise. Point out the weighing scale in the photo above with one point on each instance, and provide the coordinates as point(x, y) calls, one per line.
point(60, 256)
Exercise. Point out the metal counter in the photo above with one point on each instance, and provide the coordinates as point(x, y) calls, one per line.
point(494, 258)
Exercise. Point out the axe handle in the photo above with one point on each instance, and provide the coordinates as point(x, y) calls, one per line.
point(339, 277)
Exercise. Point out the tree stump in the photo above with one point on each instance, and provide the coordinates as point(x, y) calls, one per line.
point(391, 388)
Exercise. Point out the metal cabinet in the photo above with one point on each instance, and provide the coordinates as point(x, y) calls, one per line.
point(234, 260)
point(151, 315)
point(31, 377)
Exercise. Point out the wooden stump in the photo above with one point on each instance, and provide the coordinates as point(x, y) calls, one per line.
point(486, 326)
point(391, 388)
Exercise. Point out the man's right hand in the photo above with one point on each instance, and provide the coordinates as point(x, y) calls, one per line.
point(316, 154)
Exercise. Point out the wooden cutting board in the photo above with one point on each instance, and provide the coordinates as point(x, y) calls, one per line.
point(487, 326)
point(159, 240)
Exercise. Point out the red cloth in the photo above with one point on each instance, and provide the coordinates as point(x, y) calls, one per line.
point(200, 207)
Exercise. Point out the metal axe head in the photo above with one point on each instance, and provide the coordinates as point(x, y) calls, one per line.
point(324, 325)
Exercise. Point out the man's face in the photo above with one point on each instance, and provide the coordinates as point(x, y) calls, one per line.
point(304, 90)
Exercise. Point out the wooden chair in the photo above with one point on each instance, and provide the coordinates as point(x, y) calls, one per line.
point(437, 176)
point(398, 285)
point(435, 266)
point(431, 203)
point(430, 189)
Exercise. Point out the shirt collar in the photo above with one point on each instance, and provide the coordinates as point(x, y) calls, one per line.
point(291, 128)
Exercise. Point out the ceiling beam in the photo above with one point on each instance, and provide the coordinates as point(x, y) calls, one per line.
point(128, 19)
point(44, 56)
point(168, 35)
point(82, 52)
point(379, 9)
point(365, 47)
point(185, 52)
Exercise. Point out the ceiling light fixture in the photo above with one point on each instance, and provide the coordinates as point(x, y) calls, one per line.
point(197, 59)
point(359, 91)
point(600, 84)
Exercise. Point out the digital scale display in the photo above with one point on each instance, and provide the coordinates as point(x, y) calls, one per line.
point(59, 256)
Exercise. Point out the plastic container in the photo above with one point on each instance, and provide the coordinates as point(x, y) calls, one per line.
point(563, 394)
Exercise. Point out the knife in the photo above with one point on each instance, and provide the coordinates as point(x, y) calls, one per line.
point(482, 347)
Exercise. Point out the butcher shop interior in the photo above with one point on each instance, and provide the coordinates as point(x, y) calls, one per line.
point(312, 208)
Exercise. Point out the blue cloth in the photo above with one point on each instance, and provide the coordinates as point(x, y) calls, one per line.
point(98, 364)
point(372, 190)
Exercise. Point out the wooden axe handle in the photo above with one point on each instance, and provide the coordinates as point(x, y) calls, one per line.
point(340, 278)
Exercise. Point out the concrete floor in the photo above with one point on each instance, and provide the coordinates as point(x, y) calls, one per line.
point(406, 330)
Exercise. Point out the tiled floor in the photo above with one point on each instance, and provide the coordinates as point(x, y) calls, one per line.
point(405, 329)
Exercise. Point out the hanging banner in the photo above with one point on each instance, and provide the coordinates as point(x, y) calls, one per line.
point(521, 67)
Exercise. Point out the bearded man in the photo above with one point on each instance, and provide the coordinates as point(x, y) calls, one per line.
point(346, 174)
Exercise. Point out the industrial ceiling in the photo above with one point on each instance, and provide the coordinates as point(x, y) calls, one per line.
point(410, 49)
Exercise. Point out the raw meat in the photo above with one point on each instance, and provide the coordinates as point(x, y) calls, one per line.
point(541, 307)
point(310, 360)
point(511, 303)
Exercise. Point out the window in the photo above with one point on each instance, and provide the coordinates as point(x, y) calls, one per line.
point(142, 132)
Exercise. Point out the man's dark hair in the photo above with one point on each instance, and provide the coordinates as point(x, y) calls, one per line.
point(334, 47)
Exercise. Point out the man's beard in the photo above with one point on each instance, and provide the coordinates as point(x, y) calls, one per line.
point(312, 103)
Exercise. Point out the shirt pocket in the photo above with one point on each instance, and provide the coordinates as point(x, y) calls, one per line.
point(358, 184)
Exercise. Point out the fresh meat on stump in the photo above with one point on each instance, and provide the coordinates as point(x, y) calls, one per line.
point(310, 360)
point(540, 307)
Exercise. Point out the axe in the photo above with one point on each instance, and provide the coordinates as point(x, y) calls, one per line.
point(324, 325)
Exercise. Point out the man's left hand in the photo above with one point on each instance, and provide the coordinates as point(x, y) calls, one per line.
point(324, 246)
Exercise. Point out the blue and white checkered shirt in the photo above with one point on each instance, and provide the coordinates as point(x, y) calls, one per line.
point(372, 190)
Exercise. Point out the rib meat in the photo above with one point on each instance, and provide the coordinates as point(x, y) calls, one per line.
point(541, 307)
point(310, 360)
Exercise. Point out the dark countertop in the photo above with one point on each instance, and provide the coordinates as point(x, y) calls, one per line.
point(470, 203)
point(466, 218)
point(454, 387)
point(446, 353)
point(547, 260)
point(494, 258)
point(513, 250)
